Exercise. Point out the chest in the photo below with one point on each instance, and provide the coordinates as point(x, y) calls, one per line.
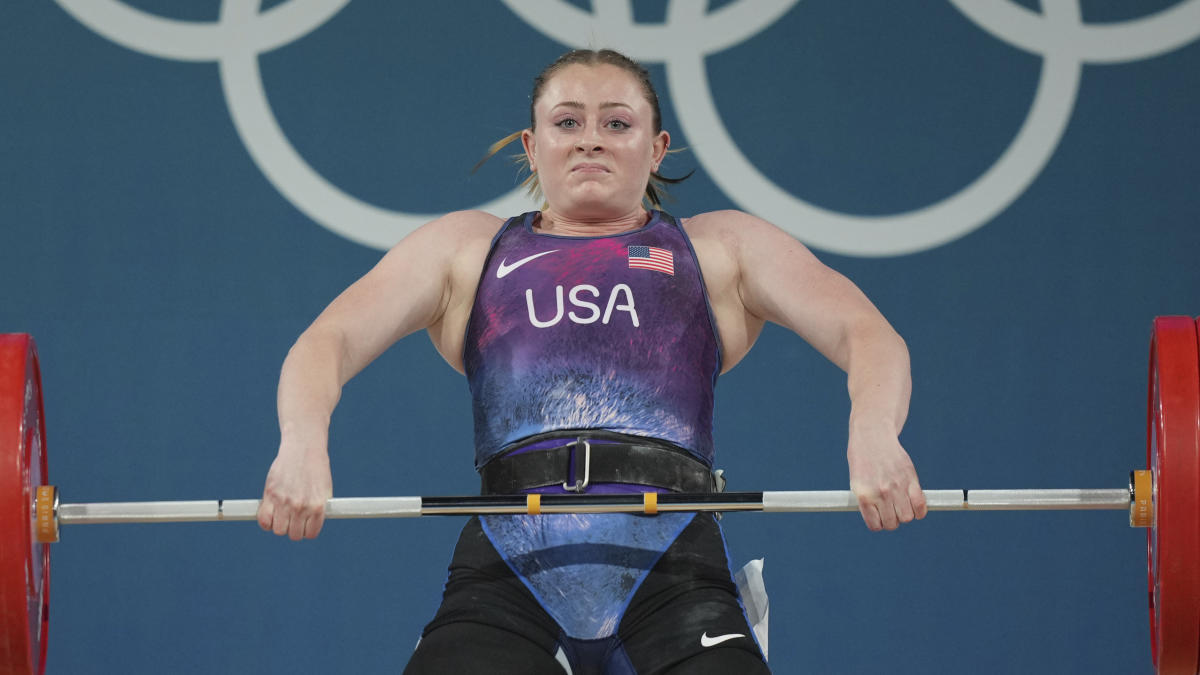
point(636, 287)
point(588, 285)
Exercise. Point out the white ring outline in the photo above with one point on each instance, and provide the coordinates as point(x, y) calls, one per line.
point(243, 32)
point(200, 40)
point(896, 234)
point(1060, 37)
point(1135, 39)
point(235, 42)
point(317, 198)
point(611, 24)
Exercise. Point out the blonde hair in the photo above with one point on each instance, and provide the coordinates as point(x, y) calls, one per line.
point(656, 185)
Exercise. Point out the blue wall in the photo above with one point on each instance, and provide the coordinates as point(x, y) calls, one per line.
point(165, 245)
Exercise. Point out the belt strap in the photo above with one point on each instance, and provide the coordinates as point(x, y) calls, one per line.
point(585, 460)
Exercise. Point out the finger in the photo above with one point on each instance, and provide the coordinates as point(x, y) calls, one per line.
point(266, 514)
point(885, 502)
point(916, 496)
point(870, 514)
point(296, 527)
point(283, 518)
point(904, 509)
point(887, 515)
point(314, 525)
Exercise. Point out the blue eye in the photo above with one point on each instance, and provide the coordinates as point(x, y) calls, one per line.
point(567, 123)
point(617, 124)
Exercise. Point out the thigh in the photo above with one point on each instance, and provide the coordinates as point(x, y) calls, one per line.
point(467, 648)
point(687, 613)
point(486, 614)
point(721, 662)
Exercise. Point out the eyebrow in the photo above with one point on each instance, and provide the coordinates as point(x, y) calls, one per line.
point(581, 106)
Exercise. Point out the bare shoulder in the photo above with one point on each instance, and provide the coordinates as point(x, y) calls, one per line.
point(411, 287)
point(714, 236)
point(744, 242)
point(719, 220)
point(735, 228)
point(717, 238)
point(463, 226)
point(472, 221)
point(453, 243)
point(469, 234)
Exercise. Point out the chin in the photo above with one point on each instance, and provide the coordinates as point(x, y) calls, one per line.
point(599, 209)
point(600, 204)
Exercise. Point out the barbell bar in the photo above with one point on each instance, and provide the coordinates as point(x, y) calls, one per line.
point(1164, 498)
point(51, 514)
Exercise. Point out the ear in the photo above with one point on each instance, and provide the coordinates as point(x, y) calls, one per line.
point(659, 149)
point(527, 141)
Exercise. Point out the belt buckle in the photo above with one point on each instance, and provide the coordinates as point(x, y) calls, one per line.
point(580, 485)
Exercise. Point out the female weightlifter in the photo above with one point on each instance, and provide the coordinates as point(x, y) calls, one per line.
point(592, 333)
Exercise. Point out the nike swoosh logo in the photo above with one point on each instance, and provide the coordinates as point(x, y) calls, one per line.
point(706, 641)
point(503, 270)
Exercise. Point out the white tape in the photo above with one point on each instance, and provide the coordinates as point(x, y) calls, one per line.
point(753, 591)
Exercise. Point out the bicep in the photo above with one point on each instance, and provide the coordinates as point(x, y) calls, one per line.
point(405, 292)
point(783, 282)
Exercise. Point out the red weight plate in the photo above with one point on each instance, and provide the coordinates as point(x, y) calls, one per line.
point(1173, 452)
point(24, 563)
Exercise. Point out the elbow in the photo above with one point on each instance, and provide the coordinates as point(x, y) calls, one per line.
point(322, 343)
point(874, 337)
point(895, 342)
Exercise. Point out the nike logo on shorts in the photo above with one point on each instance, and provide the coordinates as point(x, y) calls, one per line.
point(503, 270)
point(706, 641)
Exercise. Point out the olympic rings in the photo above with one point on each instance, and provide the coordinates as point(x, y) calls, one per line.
point(681, 43)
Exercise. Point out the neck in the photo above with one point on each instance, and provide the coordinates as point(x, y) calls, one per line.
point(554, 223)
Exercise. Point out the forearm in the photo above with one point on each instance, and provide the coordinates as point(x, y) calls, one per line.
point(878, 376)
point(310, 385)
point(882, 474)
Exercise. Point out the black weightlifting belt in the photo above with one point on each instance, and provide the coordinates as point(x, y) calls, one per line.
point(595, 457)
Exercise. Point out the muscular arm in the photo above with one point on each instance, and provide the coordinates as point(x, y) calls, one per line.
point(782, 282)
point(408, 290)
point(769, 276)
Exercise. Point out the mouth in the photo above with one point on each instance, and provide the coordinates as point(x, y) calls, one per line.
point(589, 168)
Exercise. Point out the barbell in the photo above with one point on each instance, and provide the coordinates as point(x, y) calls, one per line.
point(1164, 498)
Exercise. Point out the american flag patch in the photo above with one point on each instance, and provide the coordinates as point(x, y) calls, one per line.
point(651, 258)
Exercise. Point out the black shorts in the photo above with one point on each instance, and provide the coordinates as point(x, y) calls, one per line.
point(684, 618)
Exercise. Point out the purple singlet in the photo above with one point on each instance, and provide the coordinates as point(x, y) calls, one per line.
point(611, 333)
point(574, 333)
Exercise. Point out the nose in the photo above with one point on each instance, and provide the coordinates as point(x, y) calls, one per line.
point(589, 140)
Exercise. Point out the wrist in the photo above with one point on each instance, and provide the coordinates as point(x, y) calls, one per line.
point(873, 422)
point(304, 439)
